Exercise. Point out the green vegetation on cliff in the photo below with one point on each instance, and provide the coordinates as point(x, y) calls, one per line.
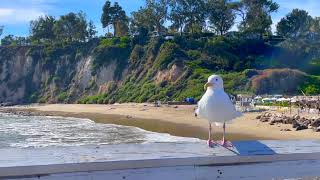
point(164, 51)
point(158, 69)
point(174, 70)
point(112, 49)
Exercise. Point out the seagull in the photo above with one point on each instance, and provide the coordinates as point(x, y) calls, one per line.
point(216, 106)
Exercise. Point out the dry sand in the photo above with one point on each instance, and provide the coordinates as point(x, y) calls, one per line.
point(175, 120)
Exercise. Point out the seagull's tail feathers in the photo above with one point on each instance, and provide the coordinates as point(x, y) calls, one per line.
point(219, 124)
point(236, 114)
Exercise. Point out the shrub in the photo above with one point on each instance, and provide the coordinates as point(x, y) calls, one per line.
point(104, 56)
point(311, 85)
point(95, 99)
point(136, 54)
point(62, 97)
point(282, 81)
point(169, 53)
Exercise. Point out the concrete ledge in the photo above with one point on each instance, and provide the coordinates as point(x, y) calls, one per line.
point(41, 170)
point(68, 161)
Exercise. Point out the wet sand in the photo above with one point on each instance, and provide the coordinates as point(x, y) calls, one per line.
point(178, 121)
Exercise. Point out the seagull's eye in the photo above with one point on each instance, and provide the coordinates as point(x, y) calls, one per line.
point(216, 79)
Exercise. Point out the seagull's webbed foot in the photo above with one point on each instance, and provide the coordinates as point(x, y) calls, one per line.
point(223, 142)
point(211, 143)
point(226, 144)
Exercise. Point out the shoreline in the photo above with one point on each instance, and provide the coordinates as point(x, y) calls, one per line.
point(174, 120)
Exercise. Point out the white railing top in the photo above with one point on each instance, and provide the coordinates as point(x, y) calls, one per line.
point(52, 160)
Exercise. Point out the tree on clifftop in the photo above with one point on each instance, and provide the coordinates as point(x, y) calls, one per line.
point(1, 30)
point(221, 15)
point(140, 20)
point(151, 17)
point(42, 28)
point(315, 27)
point(158, 9)
point(91, 30)
point(295, 24)
point(115, 16)
point(188, 14)
point(177, 18)
point(256, 15)
point(7, 40)
point(106, 18)
point(71, 27)
point(11, 40)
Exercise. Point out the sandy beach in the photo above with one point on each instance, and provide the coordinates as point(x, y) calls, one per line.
point(175, 120)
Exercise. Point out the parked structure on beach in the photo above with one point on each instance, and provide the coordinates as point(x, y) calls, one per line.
point(309, 104)
point(244, 100)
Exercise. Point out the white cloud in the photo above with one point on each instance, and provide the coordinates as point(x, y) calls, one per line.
point(6, 12)
point(18, 12)
point(19, 15)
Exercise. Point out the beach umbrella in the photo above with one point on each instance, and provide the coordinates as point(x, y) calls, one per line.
point(266, 99)
point(282, 99)
point(273, 99)
point(258, 97)
point(293, 100)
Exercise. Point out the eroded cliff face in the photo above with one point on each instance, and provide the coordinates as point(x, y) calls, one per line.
point(27, 75)
point(17, 72)
point(24, 78)
point(89, 73)
point(171, 75)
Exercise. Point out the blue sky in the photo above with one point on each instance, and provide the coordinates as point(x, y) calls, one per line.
point(15, 15)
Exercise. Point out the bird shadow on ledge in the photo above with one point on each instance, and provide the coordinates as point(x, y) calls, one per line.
point(251, 148)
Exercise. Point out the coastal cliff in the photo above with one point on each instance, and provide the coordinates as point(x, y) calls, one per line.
point(119, 70)
point(28, 74)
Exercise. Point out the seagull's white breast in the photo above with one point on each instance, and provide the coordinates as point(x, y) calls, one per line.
point(216, 106)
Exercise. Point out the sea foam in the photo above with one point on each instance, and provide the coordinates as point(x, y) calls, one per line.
point(44, 131)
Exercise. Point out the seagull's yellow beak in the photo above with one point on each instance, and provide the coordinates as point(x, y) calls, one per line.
point(207, 85)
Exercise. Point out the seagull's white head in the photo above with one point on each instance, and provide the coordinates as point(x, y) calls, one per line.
point(214, 82)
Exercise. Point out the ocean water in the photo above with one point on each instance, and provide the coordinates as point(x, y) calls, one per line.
point(43, 131)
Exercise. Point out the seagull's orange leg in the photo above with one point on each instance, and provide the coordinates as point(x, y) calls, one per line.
point(210, 142)
point(225, 143)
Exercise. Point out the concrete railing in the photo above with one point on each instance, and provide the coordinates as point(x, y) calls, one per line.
point(247, 160)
